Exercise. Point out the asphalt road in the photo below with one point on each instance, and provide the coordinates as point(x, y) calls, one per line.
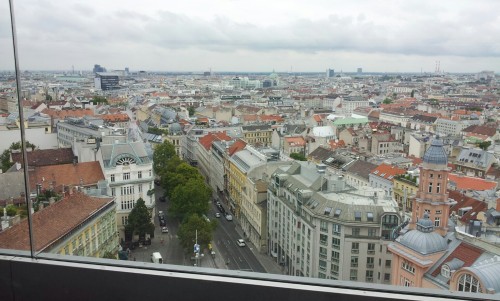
point(236, 257)
point(225, 236)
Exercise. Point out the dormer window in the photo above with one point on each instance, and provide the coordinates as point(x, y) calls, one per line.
point(445, 271)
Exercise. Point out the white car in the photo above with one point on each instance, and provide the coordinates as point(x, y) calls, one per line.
point(164, 230)
point(229, 217)
point(241, 242)
point(217, 214)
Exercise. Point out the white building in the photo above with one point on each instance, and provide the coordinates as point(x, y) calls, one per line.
point(320, 227)
point(128, 168)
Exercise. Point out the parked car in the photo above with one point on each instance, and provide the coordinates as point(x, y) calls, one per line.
point(217, 214)
point(229, 217)
point(163, 223)
point(241, 242)
point(162, 198)
point(164, 230)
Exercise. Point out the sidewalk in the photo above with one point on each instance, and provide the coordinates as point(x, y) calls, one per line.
point(271, 266)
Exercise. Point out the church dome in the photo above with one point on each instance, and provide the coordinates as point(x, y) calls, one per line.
point(175, 128)
point(423, 240)
point(436, 154)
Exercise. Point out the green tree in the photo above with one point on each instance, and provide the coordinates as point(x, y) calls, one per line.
point(298, 157)
point(5, 156)
point(139, 220)
point(387, 101)
point(190, 198)
point(179, 176)
point(484, 145)
point(11, 210)
point(188, 229)
point(191, 111)
point(162, 154)
point(99, 99)
point(412, 93)
point(109, 255)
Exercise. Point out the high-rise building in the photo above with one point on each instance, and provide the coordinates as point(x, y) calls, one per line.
point(106, 81)
point(360, 70)
point(330, 72)
point(98, 68)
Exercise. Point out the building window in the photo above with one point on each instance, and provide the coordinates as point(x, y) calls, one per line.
point(371, 248)
point(323, 227)
point(354, 275)
point(354, 261)
point(336, 229)
point(126, 176)
point(335, 243)
point(370, 262)
point(113, 191)
point(437, 222)
point(438, 211)
point(335, 256)
point(407, 266)
point(388, 263)
point(438, 188)
point(372, 232)
point(355, 248)
point(369, 276)
point(430, 187)
point(112, 178)
point(355, 231)
point(387, 277)
point(140, 187)
point(139, 174)
point(468, 283)
point(445, 271)
point(323, 239)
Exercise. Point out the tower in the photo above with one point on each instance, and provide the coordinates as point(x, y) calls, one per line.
point(432, 197)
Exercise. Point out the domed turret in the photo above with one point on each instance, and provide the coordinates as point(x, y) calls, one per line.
point(423, 240)
point(435, 154)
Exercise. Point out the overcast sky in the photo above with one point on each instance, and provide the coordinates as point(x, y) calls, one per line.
point(255, 35)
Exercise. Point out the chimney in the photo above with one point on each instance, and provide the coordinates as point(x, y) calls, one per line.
point(498, 205)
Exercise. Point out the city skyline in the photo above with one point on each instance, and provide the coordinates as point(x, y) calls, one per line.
point(231, 35)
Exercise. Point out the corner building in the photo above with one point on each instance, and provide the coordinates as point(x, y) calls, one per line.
point(320, 227)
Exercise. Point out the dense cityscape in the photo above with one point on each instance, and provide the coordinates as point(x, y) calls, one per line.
point(388, 178)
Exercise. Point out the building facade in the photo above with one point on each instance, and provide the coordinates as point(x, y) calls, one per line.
point(320, 227)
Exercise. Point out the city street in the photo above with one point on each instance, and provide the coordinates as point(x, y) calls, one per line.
point(228, 255)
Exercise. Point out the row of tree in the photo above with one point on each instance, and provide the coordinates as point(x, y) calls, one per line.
point(188, 194)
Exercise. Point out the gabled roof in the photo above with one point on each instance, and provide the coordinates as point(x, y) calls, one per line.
point(44, 157)
point(206, 141)
point(115, 117)
point(53, 222)
point(79, 174)
point(387, 171)
point(236, 147)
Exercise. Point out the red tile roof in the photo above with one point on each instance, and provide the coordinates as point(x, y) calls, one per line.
point(88, 173)
point(464, 252)
point(53, 222)
point(295, 141)
point(61, 114)
point(465, 201)
point(44, 157)
point(206, 141)
point(387, 171)
point(237, 146)
point(463, 182)
point(115, 117)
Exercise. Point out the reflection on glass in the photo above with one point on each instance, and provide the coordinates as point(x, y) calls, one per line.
point(281, 172)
